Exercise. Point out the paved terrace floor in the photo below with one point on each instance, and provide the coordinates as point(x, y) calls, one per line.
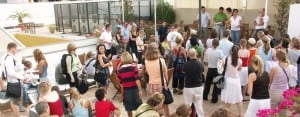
point(209, 108)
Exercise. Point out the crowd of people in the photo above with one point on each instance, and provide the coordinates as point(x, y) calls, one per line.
point(255, 68)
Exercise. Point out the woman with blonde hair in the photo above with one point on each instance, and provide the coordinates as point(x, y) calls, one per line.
point(52, 98)
point(132, 41)
point(151, 107)
point(153, 62)
point(266, 52)
point(80, 107)
point(282, 76)
point(131, 90)
point(42, 65)
point(260, 36)
point(258, 86)
point(243, 74)
point(294, 51)
point(73, 65)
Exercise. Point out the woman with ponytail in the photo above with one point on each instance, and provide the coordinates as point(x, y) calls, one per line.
point(265, 51)
point(258, 84)
point(244, 55)
point(232, 92)
point(282, 76)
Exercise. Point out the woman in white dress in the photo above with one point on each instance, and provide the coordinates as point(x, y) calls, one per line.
point(258, 88)
point(232, 93)
point(243, 74)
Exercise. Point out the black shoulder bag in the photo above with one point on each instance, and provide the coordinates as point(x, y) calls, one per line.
point(13, 89)
point(167, 93)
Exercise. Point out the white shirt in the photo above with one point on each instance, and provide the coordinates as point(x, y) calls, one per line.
point(90, 69)
point(265, 20)
point(235, 22)
point(140, 44)
point(225, 46)
point(209, 43)
point(205, 17)
point(213, 57)
point(232, 71)
point(14, 68)
point(188, 45)
point(106, 36)
point(171, 37)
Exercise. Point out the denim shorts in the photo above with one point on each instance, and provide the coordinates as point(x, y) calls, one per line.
point(131, 99)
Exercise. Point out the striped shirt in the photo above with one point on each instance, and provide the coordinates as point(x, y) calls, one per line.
point(128, 75)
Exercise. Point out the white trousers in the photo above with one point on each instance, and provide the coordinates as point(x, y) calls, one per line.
point(194, 95)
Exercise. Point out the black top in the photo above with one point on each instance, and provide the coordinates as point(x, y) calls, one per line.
point(193, 73)
point(261, 86)
point(131, 42)
point(162, 32)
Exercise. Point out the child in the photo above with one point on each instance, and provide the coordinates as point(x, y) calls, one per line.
point(243, 74)
point(221, 113)
point(183, 110)
point(27, 84)
point(42, 109)
point(104, 107)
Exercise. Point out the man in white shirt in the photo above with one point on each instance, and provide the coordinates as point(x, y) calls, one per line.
point(261, 21)
point(13, 72)
point(106, 38)
point(172, 36)
point(205, 22)
point(225, 45)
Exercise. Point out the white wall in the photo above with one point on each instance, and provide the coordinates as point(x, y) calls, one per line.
point(40, 13)
point(294, 24)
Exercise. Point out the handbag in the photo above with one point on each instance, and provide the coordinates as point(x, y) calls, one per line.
point(13, 90)
point(219, 80)
point(167, 93)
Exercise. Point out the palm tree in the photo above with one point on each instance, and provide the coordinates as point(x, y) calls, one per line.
point(20, 16)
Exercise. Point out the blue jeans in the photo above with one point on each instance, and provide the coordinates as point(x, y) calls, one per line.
point(26, 87)
point(220, 30)
point(235, 36)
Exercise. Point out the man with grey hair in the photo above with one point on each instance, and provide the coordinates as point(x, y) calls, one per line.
point(194, 79)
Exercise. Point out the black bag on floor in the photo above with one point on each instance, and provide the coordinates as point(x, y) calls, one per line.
point(83, 86)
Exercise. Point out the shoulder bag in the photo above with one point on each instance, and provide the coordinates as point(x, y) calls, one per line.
point(287, 77)
point(167, 93)
point(219, 80)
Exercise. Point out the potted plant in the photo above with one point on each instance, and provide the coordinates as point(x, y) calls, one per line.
point(52, 28)
point(20, 16)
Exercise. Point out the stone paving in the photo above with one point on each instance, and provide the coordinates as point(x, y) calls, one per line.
point(209, 108)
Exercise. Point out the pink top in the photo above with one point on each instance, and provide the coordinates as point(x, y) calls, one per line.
point(232, 71)
point(153, 70)
point(280, 80)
